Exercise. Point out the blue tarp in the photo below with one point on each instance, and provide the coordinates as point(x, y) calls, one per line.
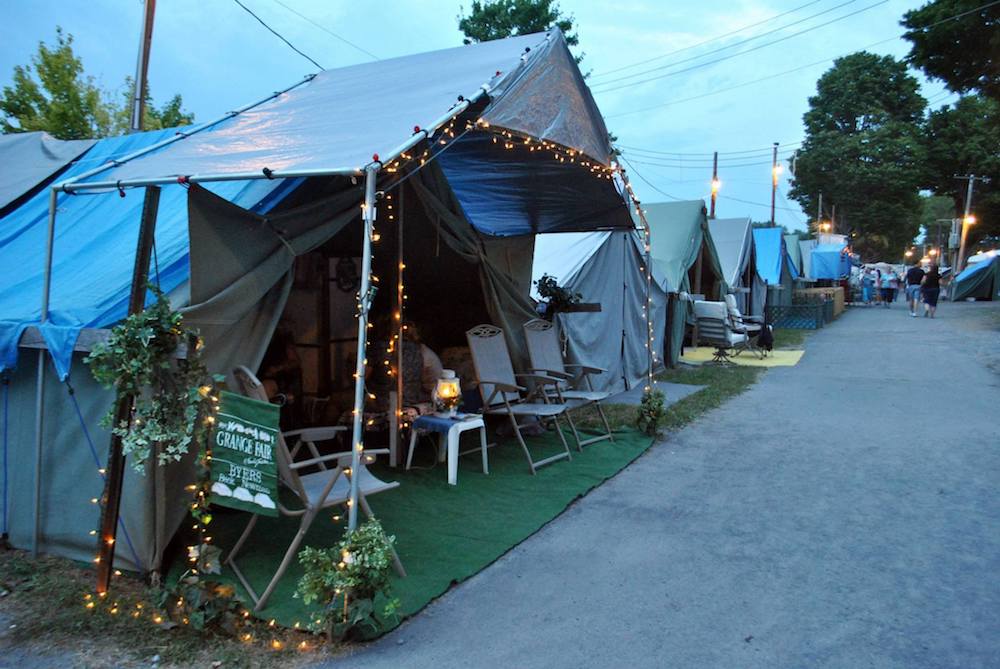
point(769, 244)
point(830, 261)
point(94, 251)
point(506, 193)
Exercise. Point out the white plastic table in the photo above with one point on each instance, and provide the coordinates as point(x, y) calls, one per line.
point(449, 429)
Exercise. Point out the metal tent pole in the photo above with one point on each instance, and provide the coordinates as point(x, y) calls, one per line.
point(40, 382)
point(365, 296)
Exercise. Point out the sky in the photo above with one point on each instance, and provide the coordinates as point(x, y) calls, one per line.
point(675, 79)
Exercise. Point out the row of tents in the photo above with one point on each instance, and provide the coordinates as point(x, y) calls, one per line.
point(483, 167)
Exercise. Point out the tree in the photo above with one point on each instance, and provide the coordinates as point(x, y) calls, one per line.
point(864, 153)
point(963, 139)
point(963, 52)
point(496, 19)
point(58, 99)
point(170, 115)
point(52, 94)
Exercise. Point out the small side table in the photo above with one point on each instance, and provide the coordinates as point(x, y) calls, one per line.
point(450, 429)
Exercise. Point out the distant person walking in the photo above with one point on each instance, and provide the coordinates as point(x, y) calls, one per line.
point(931, 289)
point(888, 290)
point(867, 282)
point(914, 277)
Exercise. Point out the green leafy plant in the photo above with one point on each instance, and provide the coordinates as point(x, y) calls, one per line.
point(652, 412)
point(140, 359)
point(346, 579)
point(555, 297)
point(202, 602)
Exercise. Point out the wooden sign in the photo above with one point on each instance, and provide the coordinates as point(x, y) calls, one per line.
point(244, 466)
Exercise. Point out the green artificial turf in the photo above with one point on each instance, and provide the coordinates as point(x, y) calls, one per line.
point(444, 534)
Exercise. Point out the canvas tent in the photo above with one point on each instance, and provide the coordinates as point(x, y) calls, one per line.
point(830, 261)
point(980, 281)
point(806, 247)
point(684, 255)
point(605, 268)
point(410, 126)
point(29, 159)
point(734, 245)
point(795, 253)
point(774, 266)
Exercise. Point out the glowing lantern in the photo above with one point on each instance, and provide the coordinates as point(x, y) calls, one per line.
point(447, 393)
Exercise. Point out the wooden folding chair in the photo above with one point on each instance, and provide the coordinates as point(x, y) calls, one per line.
point(330, 486)
point(575, 390)
point(503, 396)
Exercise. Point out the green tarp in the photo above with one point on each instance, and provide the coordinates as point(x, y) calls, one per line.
point(980, 281)
point(679, 234)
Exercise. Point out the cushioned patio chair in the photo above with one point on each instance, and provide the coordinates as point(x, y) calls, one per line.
point(498, 385)
point(715, 329)
point(575, 389)
point(316, 491)
point(751, 326)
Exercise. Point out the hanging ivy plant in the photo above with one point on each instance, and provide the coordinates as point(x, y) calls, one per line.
point(556, 298)
point(140, 358)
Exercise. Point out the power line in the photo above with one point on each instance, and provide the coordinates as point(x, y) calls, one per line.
point(762, 150)
point(327, 30)
point(727, 46)
point(800, 67)
point(744, 52)
point(701, 159)
point(760, 204)
point(692, 166)
point(647, 181)
point(704, 42)
point(278, 35)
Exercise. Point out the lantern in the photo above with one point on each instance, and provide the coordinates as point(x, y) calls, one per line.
point(447, 393)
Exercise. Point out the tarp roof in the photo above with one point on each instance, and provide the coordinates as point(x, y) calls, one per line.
point(677, 231)
point(830, 261)
point(27, 159)
point(794, 251)
point(769, 245)
point(344, 116)
point(94, 251)
point(733, 244)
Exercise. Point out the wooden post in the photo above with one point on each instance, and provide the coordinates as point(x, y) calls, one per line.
point(123, 409)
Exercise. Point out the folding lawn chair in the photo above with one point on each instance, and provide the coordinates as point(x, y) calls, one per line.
point(330, 486)
point(715, 329)
point(575, 390)
point(502, 395)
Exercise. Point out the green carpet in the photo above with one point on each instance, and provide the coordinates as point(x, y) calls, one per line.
point(444, 534)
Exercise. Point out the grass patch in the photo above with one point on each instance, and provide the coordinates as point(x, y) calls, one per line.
point(721, 383)
point(790, 338)
point(45, 612)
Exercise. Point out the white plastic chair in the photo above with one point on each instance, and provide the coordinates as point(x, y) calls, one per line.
point(715, 329)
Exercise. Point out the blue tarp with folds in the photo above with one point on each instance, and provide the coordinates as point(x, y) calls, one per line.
point(771, 253)
point(505, 193)
point(830, 261)
point(94, 251)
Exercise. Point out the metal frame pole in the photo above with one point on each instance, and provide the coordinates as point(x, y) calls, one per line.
point(142, 65)
point(365, 296)
point(40, 379)
point(399, 325)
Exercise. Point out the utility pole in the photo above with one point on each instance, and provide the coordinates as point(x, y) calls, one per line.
point(715, 182)
point(819, 213)
point(967, 219)
point(142, 66)
point(833, 218)
point(774, 179)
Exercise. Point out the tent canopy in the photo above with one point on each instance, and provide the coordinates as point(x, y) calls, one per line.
point(734, 246)
point(830, 261)
point(794, 252)
point(677, 233)
point(93, 252)
point(28, 159)
point(772, 256)
point(345, 116)
point(980, 280)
